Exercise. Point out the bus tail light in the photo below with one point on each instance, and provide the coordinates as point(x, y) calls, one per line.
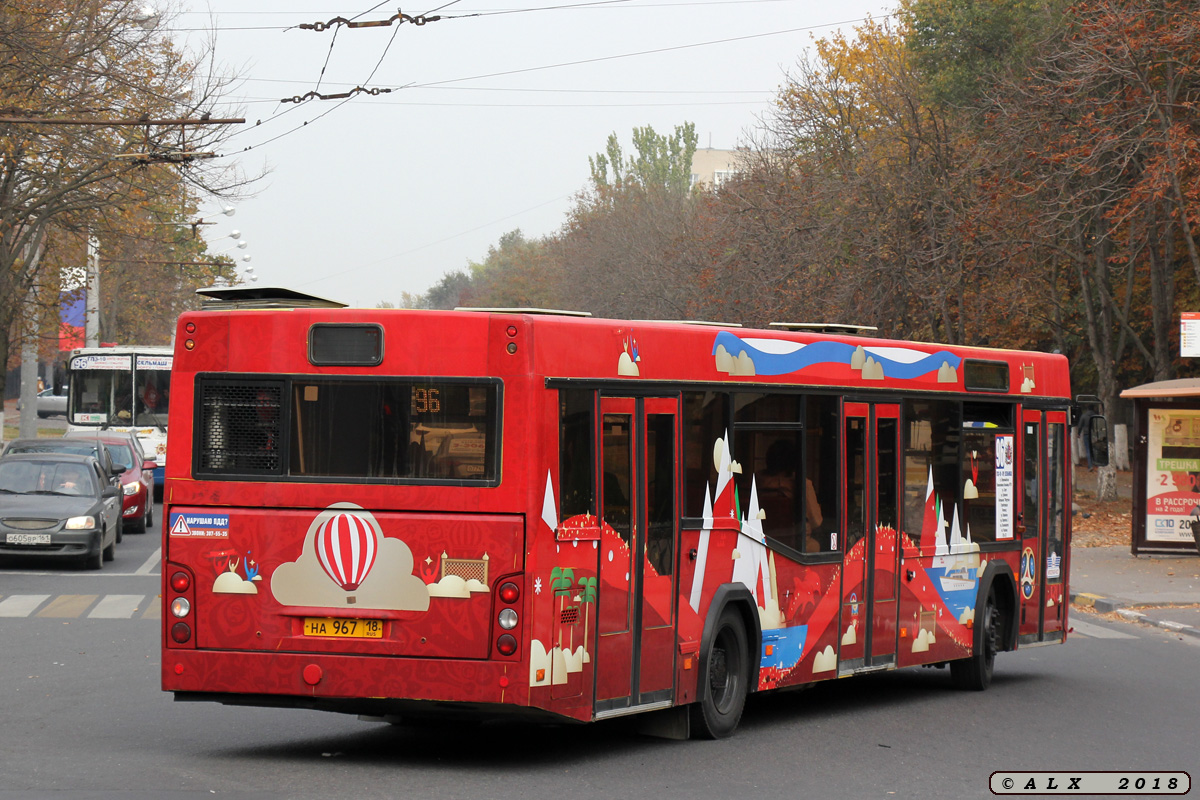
point(508, 615)
point(181, 603)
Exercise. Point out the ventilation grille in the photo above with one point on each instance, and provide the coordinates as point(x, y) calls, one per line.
point(31, 524)
point(240, 428)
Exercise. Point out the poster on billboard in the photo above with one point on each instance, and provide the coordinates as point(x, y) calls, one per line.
point(1172, 474)
point(1189, 334)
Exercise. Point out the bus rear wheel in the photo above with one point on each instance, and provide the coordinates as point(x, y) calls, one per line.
point(724, 682)
point(975, 673)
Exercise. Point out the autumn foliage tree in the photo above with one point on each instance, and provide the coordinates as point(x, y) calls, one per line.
point(64, 67)
point(1017, 173)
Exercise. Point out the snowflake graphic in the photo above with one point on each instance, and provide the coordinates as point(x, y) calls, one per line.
point(537, 585)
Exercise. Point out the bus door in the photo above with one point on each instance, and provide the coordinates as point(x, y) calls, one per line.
point(635, 664)
point(870, 608)
point(1043, 563)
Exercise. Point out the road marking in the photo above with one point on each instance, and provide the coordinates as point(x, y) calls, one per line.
point(21, 605)
point(77, 574)
point(68, 605)
point(151, 563)
point(117, 606)
point(1098, 632)
point(155, 609)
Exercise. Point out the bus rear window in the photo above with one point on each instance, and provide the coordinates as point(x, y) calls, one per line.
point(357, 430)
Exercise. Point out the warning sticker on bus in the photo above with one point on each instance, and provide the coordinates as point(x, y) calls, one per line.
point(202, 526)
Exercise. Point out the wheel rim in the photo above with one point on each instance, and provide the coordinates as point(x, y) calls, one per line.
point(991, 632)
point(723, 671)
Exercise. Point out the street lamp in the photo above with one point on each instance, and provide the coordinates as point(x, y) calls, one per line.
point(146, 17)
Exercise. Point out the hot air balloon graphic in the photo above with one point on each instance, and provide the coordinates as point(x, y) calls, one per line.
point(346, 548)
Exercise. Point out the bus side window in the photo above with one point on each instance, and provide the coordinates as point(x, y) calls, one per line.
point(576, 465)
point(821, 488)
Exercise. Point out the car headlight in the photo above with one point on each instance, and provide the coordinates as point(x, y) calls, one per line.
point(80, 523)
point(131, 488)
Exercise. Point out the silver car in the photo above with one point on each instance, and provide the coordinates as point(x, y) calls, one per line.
point(49, 404)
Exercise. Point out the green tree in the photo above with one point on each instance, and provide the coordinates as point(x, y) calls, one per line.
point(562, 583)
point(962, 46)
point(658, 160)
point(516, 273)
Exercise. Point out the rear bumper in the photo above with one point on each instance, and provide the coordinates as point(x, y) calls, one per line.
point(359, 685)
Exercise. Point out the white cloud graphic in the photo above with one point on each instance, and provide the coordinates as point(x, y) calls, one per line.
point(390, 585)
point(539, 660)
point(232, 583)
point(825, 661)
point(454, 586)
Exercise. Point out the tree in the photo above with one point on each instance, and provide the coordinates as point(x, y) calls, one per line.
point(516, 273)
point(659, 160)
point(448, 293)
point(623, 249)
point(61, 62)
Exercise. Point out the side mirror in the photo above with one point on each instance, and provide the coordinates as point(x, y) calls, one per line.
point(1097, 440)
point(116, 469)
point(149, 465)
point(110, 491)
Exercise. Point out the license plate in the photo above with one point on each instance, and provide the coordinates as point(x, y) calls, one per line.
point(343, 628)
point(28, 538)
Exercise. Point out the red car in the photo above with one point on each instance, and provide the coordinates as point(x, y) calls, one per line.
point(137, 482)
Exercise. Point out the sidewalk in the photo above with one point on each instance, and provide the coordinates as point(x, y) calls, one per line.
point(1157, 590)
point(1161, 590)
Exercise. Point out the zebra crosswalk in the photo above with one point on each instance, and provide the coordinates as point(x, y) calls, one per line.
point(81, 606)
point(148, 606)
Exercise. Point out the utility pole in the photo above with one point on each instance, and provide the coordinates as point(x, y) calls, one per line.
point(29, 366)
point(29, 354)
point(92, 324)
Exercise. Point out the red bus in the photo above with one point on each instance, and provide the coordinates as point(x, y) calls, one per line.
point(405, 514)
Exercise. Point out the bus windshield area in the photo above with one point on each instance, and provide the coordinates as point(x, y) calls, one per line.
point(101, 397)
point(153, 387)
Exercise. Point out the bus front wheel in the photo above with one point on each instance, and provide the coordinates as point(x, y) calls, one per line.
point(724, 682)
point(975, 673)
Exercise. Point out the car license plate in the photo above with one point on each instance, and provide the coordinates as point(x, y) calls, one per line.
point(28, 538)
point(343, 628)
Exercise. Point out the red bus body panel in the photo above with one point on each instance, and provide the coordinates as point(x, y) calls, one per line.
point(438, 643)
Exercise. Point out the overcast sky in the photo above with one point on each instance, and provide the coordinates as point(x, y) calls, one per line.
point(493, 114)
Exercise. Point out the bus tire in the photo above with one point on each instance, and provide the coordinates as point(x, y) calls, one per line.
point(975, 673)
point(724, 681)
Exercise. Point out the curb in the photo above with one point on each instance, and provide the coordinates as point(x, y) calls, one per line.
point(1109, 605)
point(1103, 604)
point(1174, 627)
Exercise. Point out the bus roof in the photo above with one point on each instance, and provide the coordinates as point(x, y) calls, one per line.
point(588, 348)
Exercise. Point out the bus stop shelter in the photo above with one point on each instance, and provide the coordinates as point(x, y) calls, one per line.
point(1166, 466)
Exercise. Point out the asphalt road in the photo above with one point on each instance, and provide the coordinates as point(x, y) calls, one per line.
point(82, 716)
